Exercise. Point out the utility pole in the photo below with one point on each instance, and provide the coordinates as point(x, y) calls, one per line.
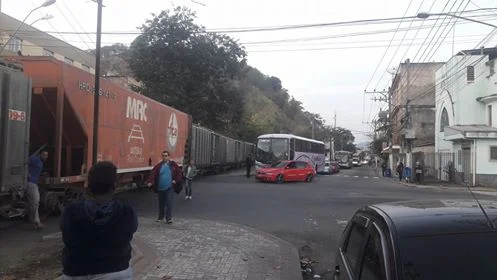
point(96, 99)
point(332, 140)
point(390, 130)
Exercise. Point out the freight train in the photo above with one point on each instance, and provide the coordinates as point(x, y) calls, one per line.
point(48, 104)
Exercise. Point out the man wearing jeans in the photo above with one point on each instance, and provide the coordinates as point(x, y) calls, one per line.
point(32, 191)
point(164, 175)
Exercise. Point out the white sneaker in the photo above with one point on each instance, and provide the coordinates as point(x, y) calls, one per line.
point(186, 197)
point(190, 198)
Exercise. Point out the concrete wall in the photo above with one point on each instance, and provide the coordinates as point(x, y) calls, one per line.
point(423, 123)
point(484, 165)
point(453, 83)
point(415, 82)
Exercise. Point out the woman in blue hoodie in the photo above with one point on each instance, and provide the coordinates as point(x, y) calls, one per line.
point(97, 231)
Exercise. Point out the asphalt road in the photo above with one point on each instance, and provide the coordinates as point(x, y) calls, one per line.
point(309, 215)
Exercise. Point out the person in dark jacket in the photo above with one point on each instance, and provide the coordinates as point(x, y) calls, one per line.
point(248, 164)
point(97, 231)
point(164, 177)
point(400, 170)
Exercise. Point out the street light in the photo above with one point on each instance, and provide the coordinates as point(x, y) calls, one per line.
point(45, 4)
point(426, 15)
point(46, 17)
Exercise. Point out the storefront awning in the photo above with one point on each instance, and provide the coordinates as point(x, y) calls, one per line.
point(469, 132)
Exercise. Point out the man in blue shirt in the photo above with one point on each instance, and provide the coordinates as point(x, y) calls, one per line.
point(35, 168)
point(164, 175)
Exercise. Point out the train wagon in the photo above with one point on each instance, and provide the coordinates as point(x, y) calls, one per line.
point(133, 129)
point(14, 138)
point(214, 153)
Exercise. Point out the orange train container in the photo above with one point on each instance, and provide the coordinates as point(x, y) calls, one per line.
point(133, 129)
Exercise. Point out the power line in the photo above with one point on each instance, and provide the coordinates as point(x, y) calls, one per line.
point(410, 84)
point(285, 27)
point(77, 21)
point(398, 47)
point(388, 47)
point(70, 24)
point(329, 48)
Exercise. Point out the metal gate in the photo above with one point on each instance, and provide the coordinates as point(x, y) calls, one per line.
point(466, 164)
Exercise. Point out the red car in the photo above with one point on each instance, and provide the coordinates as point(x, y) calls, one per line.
point(286, 171)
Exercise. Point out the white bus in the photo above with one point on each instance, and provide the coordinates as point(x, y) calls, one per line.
point(274, 147)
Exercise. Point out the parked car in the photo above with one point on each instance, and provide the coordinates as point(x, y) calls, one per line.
point(286, 171)
point(331, 167)
point(356, 162)
point(439, 239)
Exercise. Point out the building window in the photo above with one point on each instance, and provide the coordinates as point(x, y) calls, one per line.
point(489, 115)
point(68, 60)
point(15, 44)
point(86, 67)
point(48, 52)
point(444, 120)
point(493, 153)
point(470, 73)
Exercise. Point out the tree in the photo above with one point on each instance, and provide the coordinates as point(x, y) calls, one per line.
point(344, 139)
point(182, 65)
point(113, 60)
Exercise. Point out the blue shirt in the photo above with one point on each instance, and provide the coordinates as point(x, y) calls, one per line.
point(35, 167)
point(165, 177)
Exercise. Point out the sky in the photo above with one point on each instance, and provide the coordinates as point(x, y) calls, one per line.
point(327, 68)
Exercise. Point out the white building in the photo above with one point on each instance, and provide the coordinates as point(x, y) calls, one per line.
point(466, 117)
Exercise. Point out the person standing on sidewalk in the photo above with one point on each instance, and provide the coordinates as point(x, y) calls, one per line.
point(190, 172)
point(97, 231)
point(163, 177)
point(383, 168)
point(400, 170)
point(35, 168)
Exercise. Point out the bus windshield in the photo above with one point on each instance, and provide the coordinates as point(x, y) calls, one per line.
point(271, 149)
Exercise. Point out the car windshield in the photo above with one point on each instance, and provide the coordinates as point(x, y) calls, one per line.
point(454, 256)
point(279, 164)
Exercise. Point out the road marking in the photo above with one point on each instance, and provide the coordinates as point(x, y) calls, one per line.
point(376, 177)
point(345, 175)
point(356, 176)
point(342, 222)
point(366, 177)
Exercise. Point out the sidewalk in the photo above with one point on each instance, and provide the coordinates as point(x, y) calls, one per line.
point(444, 186)
point(201, 249)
